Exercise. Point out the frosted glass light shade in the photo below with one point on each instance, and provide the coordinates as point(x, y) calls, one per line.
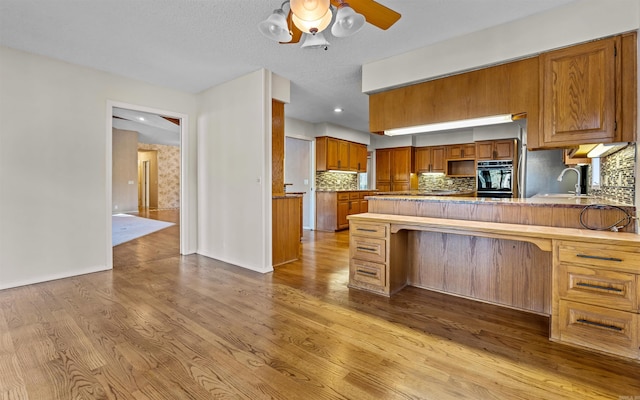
point(315, 26)
point(275, 27)
point(347, 22)
point(309, 10)
point(316, 41)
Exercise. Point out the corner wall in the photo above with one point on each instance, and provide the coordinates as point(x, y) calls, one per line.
point(234, 164)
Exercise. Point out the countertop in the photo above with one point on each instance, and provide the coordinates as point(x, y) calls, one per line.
point(531, 201)
point(287, 195)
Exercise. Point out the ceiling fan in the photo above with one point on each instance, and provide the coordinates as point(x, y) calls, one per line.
point(314, 16)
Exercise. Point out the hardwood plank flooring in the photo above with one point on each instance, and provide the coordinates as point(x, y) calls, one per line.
point(165, 326)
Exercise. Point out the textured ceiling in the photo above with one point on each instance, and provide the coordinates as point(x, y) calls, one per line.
point(192, 45)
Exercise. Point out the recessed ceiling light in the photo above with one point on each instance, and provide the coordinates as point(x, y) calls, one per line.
point(141, 118)
point(337, 109)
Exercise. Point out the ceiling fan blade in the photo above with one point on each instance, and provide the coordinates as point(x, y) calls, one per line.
point(375, 13)
point(296, 33)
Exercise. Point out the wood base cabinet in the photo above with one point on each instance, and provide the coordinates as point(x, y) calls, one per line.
point(596, 299)
point(372, 267)
point(333, 208)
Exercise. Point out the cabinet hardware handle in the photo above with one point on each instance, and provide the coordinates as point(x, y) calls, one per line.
point(592, 286)
point(338, 164)
point(366, 230)
point(365, 248)
point(361, 271)
point(599, 257)
point(600, 325)
point(358, 166)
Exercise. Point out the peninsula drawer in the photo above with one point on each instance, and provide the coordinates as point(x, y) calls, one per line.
point(370, 249)
point(368, 230)
point(343, 196)
point(368, 272)
point(599, 287)
point(599, 256)
point(599, 328)
point(354, 196)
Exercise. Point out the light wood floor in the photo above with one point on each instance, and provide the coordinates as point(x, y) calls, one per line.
point(165, 326)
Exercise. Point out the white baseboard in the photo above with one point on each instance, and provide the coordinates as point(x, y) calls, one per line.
point(235, 263)
point(52, 277)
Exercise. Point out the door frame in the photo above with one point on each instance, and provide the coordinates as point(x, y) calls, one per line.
point(185, 210)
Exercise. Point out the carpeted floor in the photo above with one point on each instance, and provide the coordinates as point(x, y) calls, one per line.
point(127, 227)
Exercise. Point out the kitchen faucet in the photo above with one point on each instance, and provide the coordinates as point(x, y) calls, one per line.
point(577, 183)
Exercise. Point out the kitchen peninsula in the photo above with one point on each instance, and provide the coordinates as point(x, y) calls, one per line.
point(526, 254)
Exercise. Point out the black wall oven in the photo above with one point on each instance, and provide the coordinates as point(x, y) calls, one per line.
point(495, 178)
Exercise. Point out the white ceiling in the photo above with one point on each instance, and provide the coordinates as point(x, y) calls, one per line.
point(192, 45)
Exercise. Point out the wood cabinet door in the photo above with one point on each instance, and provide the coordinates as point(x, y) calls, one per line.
point(454, 152)
point(423, 159)
point(578, 103)
point(362, 158)
point(401, 164)
point(400, 186)
point(438, 163)
point(354, 207)
point(343, 155)
point(357, 157)
point(354, 156)
point(332, 154)
point(343, 211)
point(383, 186)
point(503, 149)
point(383, 165)
point(468, 150)
point(364, 206)
point(484, 150)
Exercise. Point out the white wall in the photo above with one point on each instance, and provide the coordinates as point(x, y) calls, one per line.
point(234, 172)
point(54, 182)
point(572, 23)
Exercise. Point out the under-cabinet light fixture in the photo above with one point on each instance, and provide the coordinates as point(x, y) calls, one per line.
point(604, 149)
point(444, 126)
point(342, 172)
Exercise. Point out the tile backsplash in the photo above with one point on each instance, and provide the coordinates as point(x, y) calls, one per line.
point(428, 182)
point(617, 176)
point(336, 181)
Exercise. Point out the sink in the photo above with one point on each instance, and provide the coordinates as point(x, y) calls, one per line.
point(562, 195)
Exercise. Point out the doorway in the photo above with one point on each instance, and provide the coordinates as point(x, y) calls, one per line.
point(299, 173)
point(168, 201)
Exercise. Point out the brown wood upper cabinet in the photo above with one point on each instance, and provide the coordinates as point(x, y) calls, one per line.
point(340, 155)
point(580, 90)
point(393, 169)
point(495, 149)
point(461, 151)
point(430, 159)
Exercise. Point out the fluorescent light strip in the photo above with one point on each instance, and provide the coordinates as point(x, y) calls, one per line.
point(443, 126)
point(604, 149)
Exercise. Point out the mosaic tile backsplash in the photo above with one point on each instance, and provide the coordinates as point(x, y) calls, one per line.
point(336, 181)
point(427, 182)
point(617, 176)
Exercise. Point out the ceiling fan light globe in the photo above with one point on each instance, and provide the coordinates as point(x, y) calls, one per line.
point(275, 27)
point(309, 10)
point(348, 22)
point(315, 26)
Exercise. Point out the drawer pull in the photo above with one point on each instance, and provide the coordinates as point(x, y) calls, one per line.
point(599, 257)
point(365, 248)
point(362, 271)
point(592, 286)
point(600, 325)
point(366, 230)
